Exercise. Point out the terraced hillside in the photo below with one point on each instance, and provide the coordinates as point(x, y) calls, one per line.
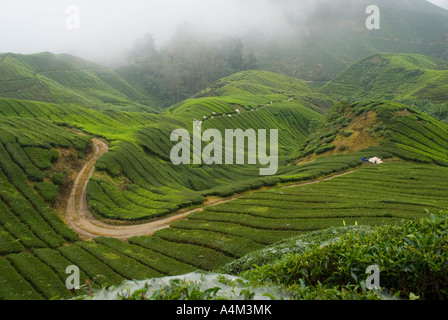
point(393, 77)
point(363, 195)
point(33, 235)
point(136, 179)
point(66, 79)
point(379, 126)
point(44, 146)
point(369, 196)
point(147, 164)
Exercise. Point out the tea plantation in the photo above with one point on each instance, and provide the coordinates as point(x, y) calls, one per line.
point(318, 185)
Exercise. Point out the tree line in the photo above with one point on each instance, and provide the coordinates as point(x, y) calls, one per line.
point(184, 66)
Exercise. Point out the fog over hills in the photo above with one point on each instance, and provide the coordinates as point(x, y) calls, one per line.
point(172, 49)
point(109, 28)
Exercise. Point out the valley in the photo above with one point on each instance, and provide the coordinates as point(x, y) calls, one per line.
point(178, 219)
point(91, 173)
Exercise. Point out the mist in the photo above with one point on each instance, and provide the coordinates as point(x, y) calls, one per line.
point(108, 28)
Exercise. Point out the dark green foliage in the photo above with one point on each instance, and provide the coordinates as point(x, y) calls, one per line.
point(42, 158)
point(123, 265)
point(325, 148)
point(59, 264)
point(199, 257)
point(41, 276)
point(47, 190)
point(412, 258)
point(8, 244)
point(13, 286)
point(18, 156)
point(19, 230)
point(58, 178)
point(347, 133)
point(233, 246)
point(95, 269)
point(152, 259)
point(257, 235)
point(24, 210)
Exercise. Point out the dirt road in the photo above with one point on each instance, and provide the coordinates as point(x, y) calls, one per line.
point(81, 220)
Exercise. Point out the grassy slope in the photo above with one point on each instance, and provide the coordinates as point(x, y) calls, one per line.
point(381, 127)
point(263, 100)
point(369, 196)
point(411, 257)
point(31, 233)
point(215, 237)
point(136, 179)
point(66, 79)
point(393, 77)
point(321, 265)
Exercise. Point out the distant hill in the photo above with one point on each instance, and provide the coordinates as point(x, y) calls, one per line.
point(64, 79)
point(393, 77)
point(312, 46)
point(253, 88)
point(335, 36)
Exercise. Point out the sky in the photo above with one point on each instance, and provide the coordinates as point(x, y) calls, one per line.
point(440, 3)
point(107, 28)
point(111, 26)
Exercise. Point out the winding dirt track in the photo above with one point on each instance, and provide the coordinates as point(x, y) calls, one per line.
point(79, 217)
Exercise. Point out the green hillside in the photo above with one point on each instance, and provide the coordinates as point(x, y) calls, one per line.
point(140, 146)
point(383, 126)
point(321, 181)
point(266, 101)
point(33, 234)
point(66, 79)
point(393, 77)
point(321, 265)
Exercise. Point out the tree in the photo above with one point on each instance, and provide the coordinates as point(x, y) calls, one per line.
point(144, 50)
point(184, 66)
point(232, 52)
point(251, 62)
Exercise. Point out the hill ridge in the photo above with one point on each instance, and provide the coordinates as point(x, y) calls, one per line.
point(62, 78)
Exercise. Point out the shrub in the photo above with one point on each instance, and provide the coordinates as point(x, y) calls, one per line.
point(412, 257)
point(325, 148)
point(347, 133)
point(47, 190)
point(58, 178)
